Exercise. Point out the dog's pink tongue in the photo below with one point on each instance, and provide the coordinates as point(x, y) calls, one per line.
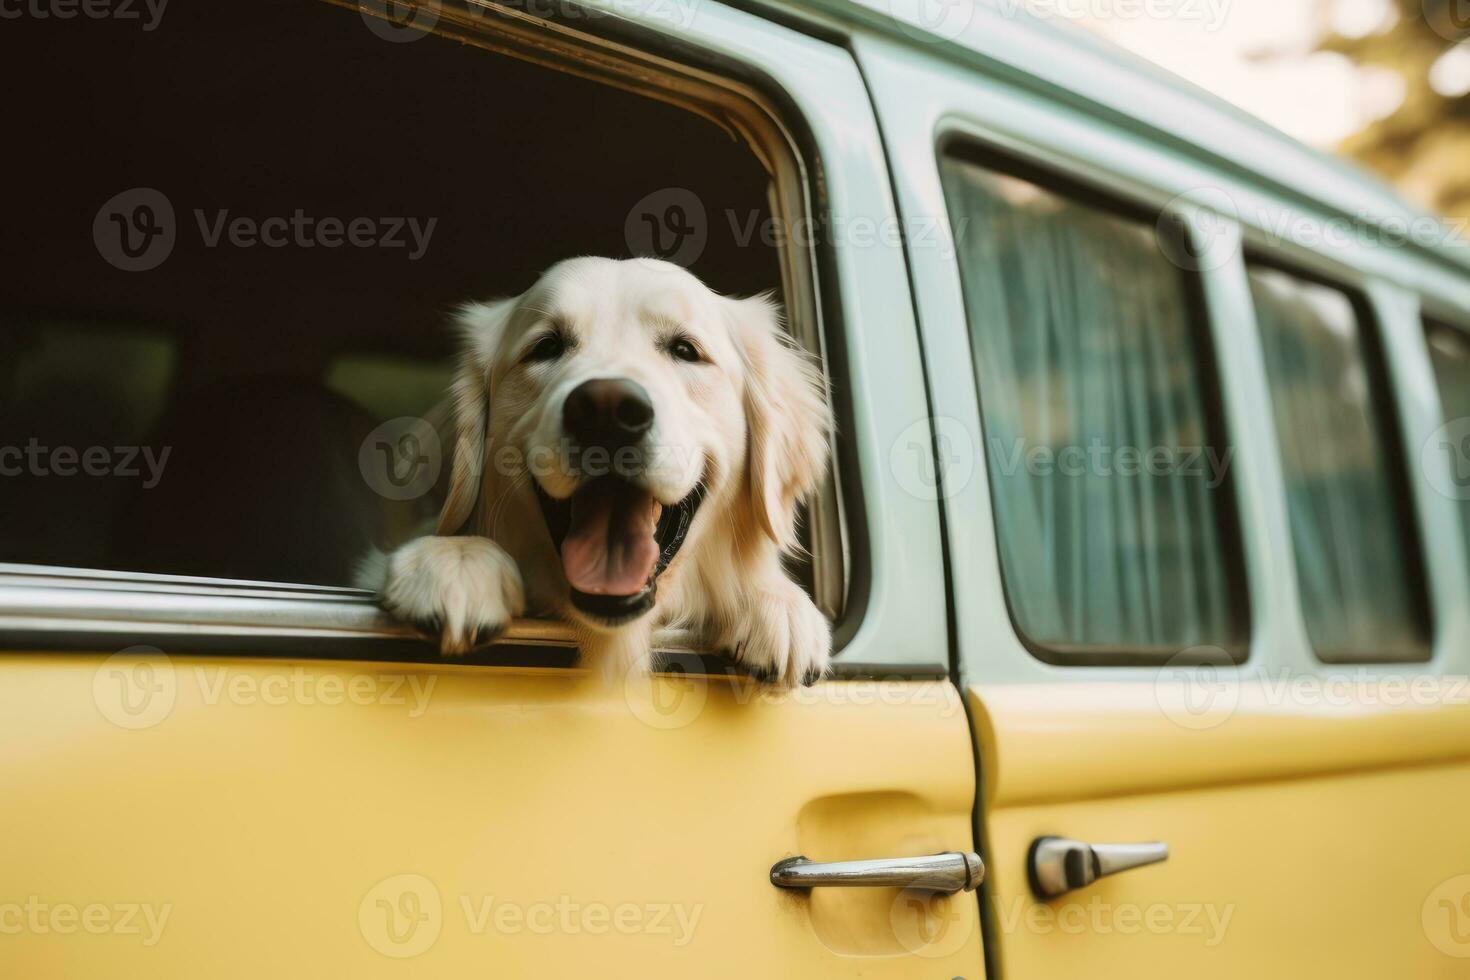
point(610, 547)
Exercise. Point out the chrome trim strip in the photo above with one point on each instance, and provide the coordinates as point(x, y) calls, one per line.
point(50, 607)
point(39, 598)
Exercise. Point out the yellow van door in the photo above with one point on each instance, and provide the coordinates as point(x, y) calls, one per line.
point(1209, 606)
point(167, 815)
point(1302, 840)
point(273, 787)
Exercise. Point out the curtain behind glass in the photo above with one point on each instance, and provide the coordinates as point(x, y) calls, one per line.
point(1351, 554)
point(1082, 343)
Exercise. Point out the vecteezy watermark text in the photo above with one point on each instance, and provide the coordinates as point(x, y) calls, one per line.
point(137, 688)
point(305, 231)
point(402, 21)
point(136, 230)
point(38, 917)
point(568, 916)
point(1210, 13)
point(403, 916)
point(1100, 459)
point(1097, 917)
point(148, 12)
point(125, 462)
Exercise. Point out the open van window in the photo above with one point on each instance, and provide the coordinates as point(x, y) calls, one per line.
point(259, 320)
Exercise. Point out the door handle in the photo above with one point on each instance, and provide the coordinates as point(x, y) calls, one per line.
point(1059, 865)
point(947, 873)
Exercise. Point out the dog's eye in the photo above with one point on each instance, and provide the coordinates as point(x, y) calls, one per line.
point(684, 350)
point(548, 348)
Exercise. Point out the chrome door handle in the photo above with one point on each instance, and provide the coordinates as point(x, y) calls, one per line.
point(1059, 865)
point(951, 872)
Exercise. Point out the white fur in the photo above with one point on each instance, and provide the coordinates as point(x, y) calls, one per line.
point(470, 586)
point(753, 421)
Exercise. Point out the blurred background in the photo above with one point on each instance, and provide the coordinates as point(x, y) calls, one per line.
point(1383, 82)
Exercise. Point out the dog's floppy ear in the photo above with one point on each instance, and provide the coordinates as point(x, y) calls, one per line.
point(787, 418)
point(481, 326)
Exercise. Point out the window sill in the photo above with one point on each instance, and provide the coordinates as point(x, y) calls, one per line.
point(50, 608)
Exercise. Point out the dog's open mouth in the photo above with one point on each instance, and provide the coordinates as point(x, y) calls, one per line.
point(615, 539)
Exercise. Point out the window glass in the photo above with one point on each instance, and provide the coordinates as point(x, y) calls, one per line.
point(1449, 350)
point(1356, 559)
point(77, 405)
point(1109, 492)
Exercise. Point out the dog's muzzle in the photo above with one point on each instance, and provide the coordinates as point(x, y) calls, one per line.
point(613, 537)
point(668, 533)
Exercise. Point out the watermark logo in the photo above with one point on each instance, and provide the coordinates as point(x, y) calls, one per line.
point(1444, 459)
point(38, 917)
point(399, 21)
point(1196, 229)
point(669, 224)
point(569, 916)
point(669, 700)
point(679, 13)
point(1198, 688)
point(139, 687)
point(1097, 458)
point(401, 916)
point(860, 231)
point(135, 230)
point(302, 230)
point(665, 701)
point(929, 923)
point(149, 13)
point(1450, 19)
point(123, 462)
point(1445, 916)
point(566, 458)
point(933, 458)
point(135, 688)
point(1211, 14)
point(401, 458)
point(933, 20)
point(1205, 921)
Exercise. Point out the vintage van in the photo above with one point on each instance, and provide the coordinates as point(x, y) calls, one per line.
point(1145, 544)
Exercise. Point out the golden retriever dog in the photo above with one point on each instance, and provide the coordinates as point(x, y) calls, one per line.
point(629, 452)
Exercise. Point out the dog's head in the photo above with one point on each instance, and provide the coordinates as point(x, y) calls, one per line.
point(638, 407)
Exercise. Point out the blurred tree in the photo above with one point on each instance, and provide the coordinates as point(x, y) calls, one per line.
point(1424, 145)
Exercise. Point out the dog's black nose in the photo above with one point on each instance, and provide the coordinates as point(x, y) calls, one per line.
point(609, 412)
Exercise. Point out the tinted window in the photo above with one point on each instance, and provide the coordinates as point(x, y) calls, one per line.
point(1108, 484)
point(1356, 557)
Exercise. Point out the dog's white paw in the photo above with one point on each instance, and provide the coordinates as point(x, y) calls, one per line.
point(784, 639)
point(464, 590)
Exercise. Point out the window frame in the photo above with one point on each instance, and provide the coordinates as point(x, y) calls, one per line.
point(1436, 318)
point(1388, 423)
point(1112, 200)
point(53, 607)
